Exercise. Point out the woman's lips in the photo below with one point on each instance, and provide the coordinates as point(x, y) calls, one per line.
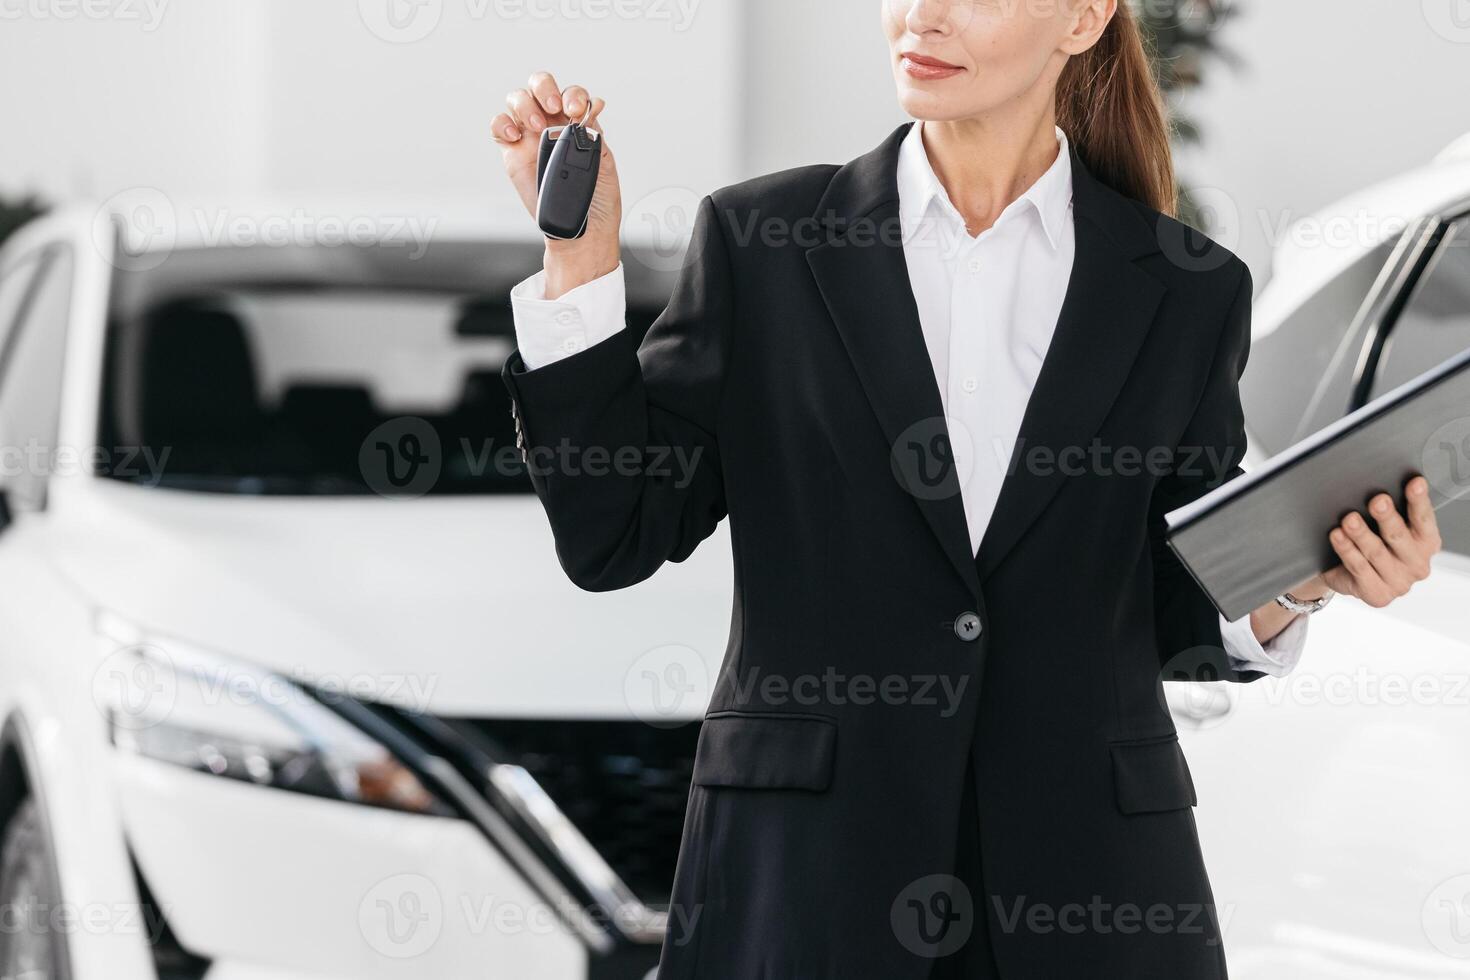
point(928, 69)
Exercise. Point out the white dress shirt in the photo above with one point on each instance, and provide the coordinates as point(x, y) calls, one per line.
point(988, 305)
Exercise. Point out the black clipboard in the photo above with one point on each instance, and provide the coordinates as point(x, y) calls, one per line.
point(1255, 537)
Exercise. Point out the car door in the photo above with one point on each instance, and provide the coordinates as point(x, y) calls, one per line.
point(54, 278)
point(1434, 326)
point(1324, 795)
point(1300, 376)
point(1430, 323)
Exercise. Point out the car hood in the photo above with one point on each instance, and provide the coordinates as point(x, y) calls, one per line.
point(457, 605)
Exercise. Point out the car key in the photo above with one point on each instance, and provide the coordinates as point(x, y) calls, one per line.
point(566, 177)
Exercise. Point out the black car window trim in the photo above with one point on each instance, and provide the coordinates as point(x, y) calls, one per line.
point(1420, 251)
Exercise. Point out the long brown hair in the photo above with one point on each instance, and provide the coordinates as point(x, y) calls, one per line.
point(1110, 106)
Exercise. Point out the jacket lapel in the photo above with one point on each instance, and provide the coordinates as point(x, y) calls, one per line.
point(1109, 307)
point(863, 277)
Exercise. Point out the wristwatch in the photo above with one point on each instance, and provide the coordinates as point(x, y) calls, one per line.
point(1292, 604)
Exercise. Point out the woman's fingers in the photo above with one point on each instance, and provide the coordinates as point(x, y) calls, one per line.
point(541, 105)
point(1407, 546)
point(504, 129)
point(1366, 584)
point(526, 111)
point(575, 101)
point(1380, 567)
point(1390, 569)
point(1397, 536)
point(1421, 514)
point(546, 92)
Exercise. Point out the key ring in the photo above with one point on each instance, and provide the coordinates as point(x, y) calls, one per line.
point(586, 117)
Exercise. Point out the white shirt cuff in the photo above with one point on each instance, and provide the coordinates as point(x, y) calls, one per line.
point(1278, 657)
point(548, 330)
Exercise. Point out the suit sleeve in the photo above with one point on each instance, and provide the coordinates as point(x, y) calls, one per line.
point(1209, 454)
point(620, 438)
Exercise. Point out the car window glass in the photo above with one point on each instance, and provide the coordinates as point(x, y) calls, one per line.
point(30, 384)
point(1435, 324)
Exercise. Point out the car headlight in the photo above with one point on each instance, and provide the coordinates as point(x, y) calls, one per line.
point(237, 721)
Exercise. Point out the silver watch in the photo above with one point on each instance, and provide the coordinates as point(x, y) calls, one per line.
point(1292, 604)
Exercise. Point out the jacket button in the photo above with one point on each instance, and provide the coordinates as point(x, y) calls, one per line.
point(967, 627)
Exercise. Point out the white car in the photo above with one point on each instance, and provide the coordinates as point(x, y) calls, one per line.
point(273, 711)
point(1333, 803)
point(291, 683)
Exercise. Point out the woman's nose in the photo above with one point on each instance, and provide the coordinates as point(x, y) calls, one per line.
point(925, 16)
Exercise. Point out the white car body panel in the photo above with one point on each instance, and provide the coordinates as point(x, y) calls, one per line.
point(1316, 249)
point(1332, 801)
point(369, 894)
point(49, 655)
point(460, 598)
point(1326, 825)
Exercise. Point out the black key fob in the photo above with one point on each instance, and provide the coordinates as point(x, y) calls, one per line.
point(566, 176)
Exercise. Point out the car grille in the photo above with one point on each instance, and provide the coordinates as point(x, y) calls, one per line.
point(625, 785)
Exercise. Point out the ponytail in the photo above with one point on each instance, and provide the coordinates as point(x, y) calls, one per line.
point(1110, 106)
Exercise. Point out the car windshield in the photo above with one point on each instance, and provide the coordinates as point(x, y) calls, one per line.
point(385, 380)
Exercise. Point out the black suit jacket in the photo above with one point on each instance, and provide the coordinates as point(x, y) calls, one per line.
point(855, 687)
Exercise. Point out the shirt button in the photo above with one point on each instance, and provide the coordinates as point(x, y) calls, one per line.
point(967, 627)
point(976, 266)
point(970, 385)
point(566, 318)
point(572, 345)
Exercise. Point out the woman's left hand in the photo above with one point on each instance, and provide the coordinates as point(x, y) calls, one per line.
point(1380, 567)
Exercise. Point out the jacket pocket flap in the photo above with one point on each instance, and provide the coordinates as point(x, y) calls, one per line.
point(759, 750)
point(1152, 776)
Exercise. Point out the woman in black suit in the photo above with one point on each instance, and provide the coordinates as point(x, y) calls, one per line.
point(937, 745)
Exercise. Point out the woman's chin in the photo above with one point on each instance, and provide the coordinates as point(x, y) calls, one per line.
point(930, 106)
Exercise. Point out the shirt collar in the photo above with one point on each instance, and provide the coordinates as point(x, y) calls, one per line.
point(919, 188)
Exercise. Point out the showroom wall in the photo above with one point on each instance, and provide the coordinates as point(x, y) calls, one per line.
point(304, 103)
point(1324, 106)
point(92, 103)
point(387, 100)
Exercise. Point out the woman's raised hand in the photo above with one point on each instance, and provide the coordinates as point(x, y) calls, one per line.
point(530, 111)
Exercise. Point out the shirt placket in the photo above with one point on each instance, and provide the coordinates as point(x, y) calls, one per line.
point(966, 349)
